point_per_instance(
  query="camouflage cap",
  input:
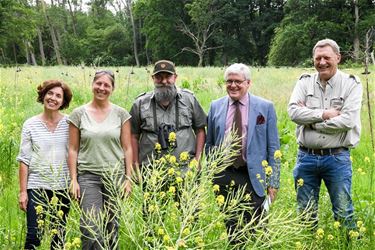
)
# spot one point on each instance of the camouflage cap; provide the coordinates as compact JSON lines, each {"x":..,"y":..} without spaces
{"x":164,"y":66}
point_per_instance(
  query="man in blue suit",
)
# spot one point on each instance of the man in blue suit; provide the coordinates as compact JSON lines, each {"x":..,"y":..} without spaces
{"x":255,"y":120}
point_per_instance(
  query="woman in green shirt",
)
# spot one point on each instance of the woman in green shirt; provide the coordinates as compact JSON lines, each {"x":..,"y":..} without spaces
{"x":100,"y":156}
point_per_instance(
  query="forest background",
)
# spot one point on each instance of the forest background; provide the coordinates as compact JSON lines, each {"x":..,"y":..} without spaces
{"x":189,"y":32}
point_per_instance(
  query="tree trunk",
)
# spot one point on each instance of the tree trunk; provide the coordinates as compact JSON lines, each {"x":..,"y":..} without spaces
{"x":30,"y":54}
{"x":27,"y":53}
{"x":74,"y":21}
{"x":53,"y":35}
{"x":356,"y":35}
{"x":41,"y":47}
{"x":135,"y":50}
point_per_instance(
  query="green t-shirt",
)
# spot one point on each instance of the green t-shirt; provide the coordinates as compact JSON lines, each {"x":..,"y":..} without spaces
{"x":99,"y":144}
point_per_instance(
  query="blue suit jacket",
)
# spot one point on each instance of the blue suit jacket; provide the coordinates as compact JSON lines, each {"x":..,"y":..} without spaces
{"x":262,"y":138}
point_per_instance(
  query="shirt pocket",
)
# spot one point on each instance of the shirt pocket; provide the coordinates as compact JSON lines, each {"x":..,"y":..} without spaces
{"x":185,"y":118}
{"x":147,"y":120}
{"x":337,"y":103}
{"x":312,"y":102}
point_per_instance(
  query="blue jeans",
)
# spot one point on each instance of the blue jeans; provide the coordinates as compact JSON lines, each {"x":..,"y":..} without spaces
{"x":336,"y":172}
{"x":42,"y":197}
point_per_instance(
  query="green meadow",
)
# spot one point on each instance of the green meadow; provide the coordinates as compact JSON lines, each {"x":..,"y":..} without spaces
{"x":18,"y":102}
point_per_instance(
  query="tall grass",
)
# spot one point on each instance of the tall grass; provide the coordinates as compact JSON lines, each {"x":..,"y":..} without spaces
{"x":18,"y":102}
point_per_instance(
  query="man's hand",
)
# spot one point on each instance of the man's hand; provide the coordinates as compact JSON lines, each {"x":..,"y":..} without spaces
{"x":301,"y":104}
{"x":23,"y":199}
{"x":75,"y":190}
{"x":272,"y":193}
{"x":330,"y":113}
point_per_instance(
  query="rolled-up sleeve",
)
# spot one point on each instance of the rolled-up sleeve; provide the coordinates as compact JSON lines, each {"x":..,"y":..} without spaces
{"x":25,"y":146}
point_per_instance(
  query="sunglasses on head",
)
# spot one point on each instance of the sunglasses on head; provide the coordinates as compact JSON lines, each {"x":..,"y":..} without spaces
{"x":107,"y":72}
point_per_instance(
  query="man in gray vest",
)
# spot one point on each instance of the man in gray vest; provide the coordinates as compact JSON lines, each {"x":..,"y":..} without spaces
{"x":326,"y":107}
{"x":166,"y":109}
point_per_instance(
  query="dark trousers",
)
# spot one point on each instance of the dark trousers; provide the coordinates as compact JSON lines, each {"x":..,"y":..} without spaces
{"x":43,"y":197}
{"x":241,"y":179}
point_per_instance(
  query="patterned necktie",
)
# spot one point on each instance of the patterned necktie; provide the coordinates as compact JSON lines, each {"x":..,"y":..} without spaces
{"x":237,"y":126}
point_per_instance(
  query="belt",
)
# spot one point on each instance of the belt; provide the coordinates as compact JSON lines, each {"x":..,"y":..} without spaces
{"x":323,"y":151}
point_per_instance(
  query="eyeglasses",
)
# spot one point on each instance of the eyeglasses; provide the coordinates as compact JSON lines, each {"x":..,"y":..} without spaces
{"x":237,"y":82}
{"x":107,"y":72}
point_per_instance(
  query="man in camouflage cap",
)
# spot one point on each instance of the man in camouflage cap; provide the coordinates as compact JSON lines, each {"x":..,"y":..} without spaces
{"x":166,"y":109}
{"x":326,"y":106}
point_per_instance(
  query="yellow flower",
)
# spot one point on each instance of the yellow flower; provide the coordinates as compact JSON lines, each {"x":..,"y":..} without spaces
{"x":198,"y":240}
{"x":223,"y":236}
{"x":171,"y":171}
{"x":298,"y":245}
{"x":172,"y":137}
{"x":193,"y":163}
{"x":163,"y":160}
{"x":68,"y":245}
{"x":359,"y":223}
{"x":162,"y":194}
{"x":362,"y":229}
{"x":172,"y":189}
{"x":232,"y":183}
{"x":184,"y":156}
{"x":40,"y":223}
{"x":220,"y":199}
{"x":330,"y":237}
{"x":146,"y":195}
{"x":258,"y":176}
{"x":161,"y":231}
{"x":60,"y":214}
{"x":151,"y":208}
{"x":278,"y":154}
{"x":179,"y":180}
{"x":166,"y":238}
{"x":39,"y":209}
{"x":157,"y":147}
{"x":189,"y":174}
{"x":264,"y":163}
{"x":319,"y":233}
{"x":76,"y":242}
{"x":216,"y":188}
{"x":54,"y":201}
{"x":247,"y":197}
{"x":353,"y":234}
{"x":186,"y":231}
{"x":172,"y":159}
{"x":300,"y":182}
{"x":268,"y":170}
{"x":336,"y":224}
{"x":367,"y":159}
{"x":176,"y":204}
{"x":54,"y":232}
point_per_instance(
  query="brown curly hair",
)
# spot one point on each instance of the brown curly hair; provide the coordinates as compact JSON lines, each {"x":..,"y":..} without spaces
{"x":50,"y":84}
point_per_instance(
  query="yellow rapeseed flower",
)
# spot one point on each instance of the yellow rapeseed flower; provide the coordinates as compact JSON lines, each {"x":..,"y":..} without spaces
{"x":161,"y":231}
{"x":166,"y":238}
{"x":68,"y":245}
{"x":39,"y":209}
{"x":353,"y":234}
{"x":176,"y":204}
{"x":300,"y":182}
{"x":60,"y":214}
{"x":216,"y":188}
{"x":54,"y":231}
{"x":172,"y":137}
{"x":162,"y":194}
{"x":198,"y":240}
{"x":336,"y":224}
{"x":258,"y":176}
{"x":146,"y":195}
{"x":171,"y":171}
{"x":319,"y":233}
{"x":330,"y":237}
{"x":298,"y":245}
{"x":367,"y":159}
{"x":184,"y":156}
{"x":362,"y":229}
{"x":162,"y":160}
{"x":247,"y":197}
{"x":232,"y":183}
{"x":186,"y":231}
{"x":189,"y":174}
{"x":172,"y":189}
{"x":54,"y":201}
{"x":220,"y":199}
{"x":193,"y":164}
{"x":268,"y":170}
{"x":76,"y":242}
{"x":179,"y":180}
{"x":157,"y":147}
{"x":278,"y":154}
{"x":264,"y":163}
{"x":172,"y":159}
{"x":40,"y":223}
{"x":151,"y":208}
{"x":359,"y":223}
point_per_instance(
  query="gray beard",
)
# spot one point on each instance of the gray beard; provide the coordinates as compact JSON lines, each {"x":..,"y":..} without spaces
{"x":165,"y":94}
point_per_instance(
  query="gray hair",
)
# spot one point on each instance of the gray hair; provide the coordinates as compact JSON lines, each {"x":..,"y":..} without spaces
{"x":327,"y":42}
{"x":238,"y":68}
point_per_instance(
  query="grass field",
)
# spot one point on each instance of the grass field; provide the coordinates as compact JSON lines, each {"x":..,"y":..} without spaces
{"x":18,"y":102}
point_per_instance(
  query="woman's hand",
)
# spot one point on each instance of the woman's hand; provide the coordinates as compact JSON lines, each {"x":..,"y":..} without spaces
{"x":75,"y":190}
{"x":127,"y":188}
{"x":23,"y":199}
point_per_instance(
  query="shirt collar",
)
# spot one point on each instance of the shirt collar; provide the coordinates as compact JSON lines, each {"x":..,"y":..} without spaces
{"x":242,"y":101}
{"x":331,"y":81}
